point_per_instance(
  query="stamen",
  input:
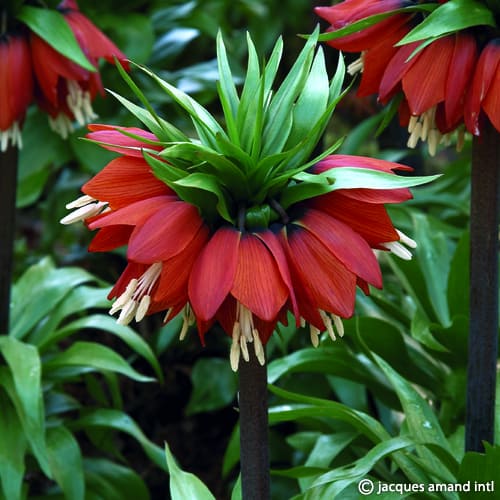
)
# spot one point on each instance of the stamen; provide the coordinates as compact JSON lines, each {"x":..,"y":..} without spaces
{"x":61,"y":125}
{"x":338,"y":324}
{"x":397,"y":248}
{"x":314,"y":334}
{"x":87,"y":207}
{"x":79,"y":102}
{"x":13,"y":133}
{"x":188,"y":319}
{"x":258,"y":348}
{"x":234,"y":354}
{"x":136,"y":298}
{"x":328,"y":324}
{"x":356,"y":66}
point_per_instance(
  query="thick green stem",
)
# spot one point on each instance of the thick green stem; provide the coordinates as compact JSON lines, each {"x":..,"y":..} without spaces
{"x":483,"y":334}
{"x":254,"y":441}
{"x":8,"y":185}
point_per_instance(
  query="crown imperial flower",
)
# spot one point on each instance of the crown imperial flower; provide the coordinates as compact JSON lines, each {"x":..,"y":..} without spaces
{"x":239,"y":225}
{"x":431,"y":57}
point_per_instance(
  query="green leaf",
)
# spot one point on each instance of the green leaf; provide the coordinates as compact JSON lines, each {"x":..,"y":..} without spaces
{"x":371,"y":20}
{"x":214,"y":385}
{"x":236,"y":494}
{"x":209,"y":183}
{"x":206,"y":125}
{"x":458,"y":278}
{"x":312,"y":101}
{"x":318,"y":408}
{"x":119,"y":421}
{"x":433,"y":253}
{"x":12,"y":450}
{"x":163,"y":130}
{"x":346,"y":178}
{"x":65,"y":459}
{"x":342,"y":477}
{"x":52,"y":27}
{"x":279,"y":112}
{"x":95,"y":357}
{"x":39,"y":290}
{"x":25,"y":391}
{"x":227,"y":90}
{"x":184,"y":485}
{"x":451,"y":16}
{"x":481,"y":470}
{"x":108,"y":324}
{"x":422,"y":423}
{"x":109,"y":480}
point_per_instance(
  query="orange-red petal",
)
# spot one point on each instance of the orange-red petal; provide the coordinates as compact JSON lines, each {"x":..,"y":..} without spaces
{"x":213,"y":273}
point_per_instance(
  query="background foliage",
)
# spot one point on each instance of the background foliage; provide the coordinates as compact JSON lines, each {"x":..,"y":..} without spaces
{"x":89,"y":404}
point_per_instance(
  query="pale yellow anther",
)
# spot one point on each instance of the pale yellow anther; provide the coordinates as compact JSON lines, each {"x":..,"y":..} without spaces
{"x":127,"y":313}
{"x":314,"y":334}
{"x":143,"y":307}
{"x":338,"y":324}
{"x":259,"y":348}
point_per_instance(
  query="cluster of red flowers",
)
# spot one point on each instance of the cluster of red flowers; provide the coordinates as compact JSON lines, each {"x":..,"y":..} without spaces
{"x":445,"y":85}
{"x":308,"y":263}
{"x":30,"y":69}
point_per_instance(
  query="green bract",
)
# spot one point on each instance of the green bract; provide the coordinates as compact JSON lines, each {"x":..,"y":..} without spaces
{"x":250,"y":169}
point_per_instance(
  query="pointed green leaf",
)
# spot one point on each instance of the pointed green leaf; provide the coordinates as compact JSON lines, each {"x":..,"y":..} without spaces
{"x":422,"y":423}
{"x":184,"y":485}
{"x":106,"y":479}
{"x":312,"y":101}
{"x":119,"y":421}
{"x":65,"y":459}
{"x":227,"y":90}
{"x":371,"y":20}
{"x":25,"y":391}
{"x":451,"y":16}
{"x":96,"y":357}
{"x":163,"y":130}
{"x":12,"y":450}
{"x":109,"y":324}
{"x":52,"y":27}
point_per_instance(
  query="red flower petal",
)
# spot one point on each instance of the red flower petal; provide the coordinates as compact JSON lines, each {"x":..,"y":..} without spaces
{"x":348,"y":246}
{"x":133,"y":214}
{"x":396,"y":70}
{"x":273,"y":244}
{"x":459,"y":76}
{"x":353,"y":161}
{"x":113,"y":139}
{"x":368,"y":220}
{"x":165,"y":233}
{"x":257,"y":283}
{"x":484,"y":76}
{"x":424,"y":84}
{"x":173,"y":282}
{"x":213,"y":273}
{"x":16,"y":80}
{"x":125,"y":180}
{"x":324,"y":277}
{"x":109,"y":238}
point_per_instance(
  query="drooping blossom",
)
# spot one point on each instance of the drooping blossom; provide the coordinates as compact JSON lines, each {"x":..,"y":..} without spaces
{"x":66,"y":90}
{"x":433,"y":79}
{"x":247,"y":243}
{"x":16,"y":87}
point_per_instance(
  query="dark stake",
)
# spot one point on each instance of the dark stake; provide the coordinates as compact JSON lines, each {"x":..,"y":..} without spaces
{"x":254,"y":442}
{"x":8,"y":185}
{"x":483,"y":334}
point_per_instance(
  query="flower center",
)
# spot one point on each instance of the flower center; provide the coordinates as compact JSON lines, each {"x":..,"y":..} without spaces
{"x":357,"y":66}
{"x":135,"y":300}
{"x":330,"y":321}
{"x":244,"y":332}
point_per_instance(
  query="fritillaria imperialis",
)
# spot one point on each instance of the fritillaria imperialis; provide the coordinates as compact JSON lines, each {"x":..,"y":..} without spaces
{"x":437,"y":61}
{"x":52,"y":57}
{"x":239,"y":225}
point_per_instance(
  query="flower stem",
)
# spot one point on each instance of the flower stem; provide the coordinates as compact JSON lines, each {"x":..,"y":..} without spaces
{"x":483,"y":333}
{"x":254,"y":454}
{"x":8,"y":185}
